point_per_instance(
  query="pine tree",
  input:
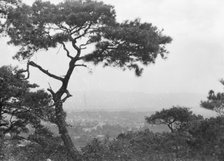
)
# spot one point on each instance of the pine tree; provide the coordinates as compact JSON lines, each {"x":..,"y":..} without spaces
{"x":128,"y":45}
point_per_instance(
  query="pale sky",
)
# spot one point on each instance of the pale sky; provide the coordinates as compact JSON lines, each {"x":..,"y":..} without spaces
{"x":195,"y":63}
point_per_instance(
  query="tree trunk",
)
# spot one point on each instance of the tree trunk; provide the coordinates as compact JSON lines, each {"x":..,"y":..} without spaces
{"x":61,"y":123}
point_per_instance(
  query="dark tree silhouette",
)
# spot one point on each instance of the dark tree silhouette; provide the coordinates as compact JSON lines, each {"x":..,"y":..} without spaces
{"x":176,"y":118}
{"x":215,"y":101}
{"x":19,"y":106}
{"x":128,"y":45}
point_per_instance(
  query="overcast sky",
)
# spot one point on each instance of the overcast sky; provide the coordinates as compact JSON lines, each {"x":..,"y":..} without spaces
{"x":195,"y":63}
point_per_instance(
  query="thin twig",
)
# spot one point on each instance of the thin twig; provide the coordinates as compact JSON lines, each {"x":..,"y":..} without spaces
{"x":50,"y":90}
{"x":80,"y":65}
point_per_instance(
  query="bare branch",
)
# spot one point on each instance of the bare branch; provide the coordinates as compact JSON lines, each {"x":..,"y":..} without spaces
{"x":75,"y":29}
{"x":67,"y":96}
{"x":63,"y":28}
{"x":45,"y":71}
{"x":83,"y":48}
{"x":50,"y":90}
{"x":84,"y":32}
{"x":67,"y":52}
{"x":75,"y":46}
{"x":77,"y":49}
{"x":80,"y":65}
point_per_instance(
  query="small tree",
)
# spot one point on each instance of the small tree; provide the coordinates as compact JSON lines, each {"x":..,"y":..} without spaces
{"x":176,"y":118}
{"x":128,"y":45}
{"x":215,"y":101}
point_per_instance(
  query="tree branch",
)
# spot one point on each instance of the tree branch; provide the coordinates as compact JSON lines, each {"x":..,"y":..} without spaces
{"x":77,"y":49}
{"x":83,"y":57}
{"x":83,"y":46}
{"x":84,"y":32}
{"x":80,"y":65}
{"x":67,"y":52}
{"x":76,"y":29}
{"x":50,"y":90}
{"x":67,"y":96}
{"x":45,"y":71}
{"x":63,"y":28}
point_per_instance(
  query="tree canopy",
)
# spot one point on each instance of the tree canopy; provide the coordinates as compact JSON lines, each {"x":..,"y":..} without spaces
{"x":44,"y":25}
{"x":215,"y":101}
{"x":176,"y":118}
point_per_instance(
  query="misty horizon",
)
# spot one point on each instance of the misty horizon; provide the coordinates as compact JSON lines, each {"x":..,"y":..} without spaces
{"x":134,"y":101}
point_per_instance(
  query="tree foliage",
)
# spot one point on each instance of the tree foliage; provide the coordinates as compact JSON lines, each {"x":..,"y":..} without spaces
{"x":5,"y":6}
{"x":202,"y":141}
{"x":44,"y":25}
{"x":176,"y":118}
{"x":207,"y":138}
{"x":20,"y":104}
{"x":215,"y":101}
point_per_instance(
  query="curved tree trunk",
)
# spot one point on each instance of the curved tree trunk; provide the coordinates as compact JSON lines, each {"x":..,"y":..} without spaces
{"x":63,"y":131}
{"x":61,"y":116}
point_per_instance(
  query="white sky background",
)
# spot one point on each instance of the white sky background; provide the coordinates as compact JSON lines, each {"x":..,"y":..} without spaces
{"x":195,"y":63}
